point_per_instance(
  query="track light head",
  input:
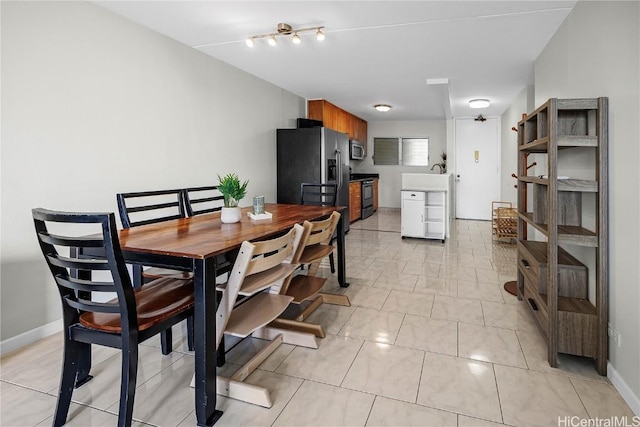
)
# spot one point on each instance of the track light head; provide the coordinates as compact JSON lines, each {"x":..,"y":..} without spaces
{"x":296,"y":38}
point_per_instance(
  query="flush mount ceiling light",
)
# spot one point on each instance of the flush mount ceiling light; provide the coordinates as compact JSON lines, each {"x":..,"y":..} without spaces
{"x":383,"y":108}
{"x":285,"y":30}
{"x":479,"y":103}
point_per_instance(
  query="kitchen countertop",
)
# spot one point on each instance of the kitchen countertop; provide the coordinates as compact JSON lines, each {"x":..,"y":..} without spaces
{"x":363,"y":176}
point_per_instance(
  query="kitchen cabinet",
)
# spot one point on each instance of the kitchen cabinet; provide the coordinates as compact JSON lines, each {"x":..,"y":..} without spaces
{"x":423,"y":214}
{"x":560,"y":214}
{"x":375,"y":194}
{"x":355,"y":200}
{"x":338,"y":119}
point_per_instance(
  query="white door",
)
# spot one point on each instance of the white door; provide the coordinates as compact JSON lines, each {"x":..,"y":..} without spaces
{"x":477,"y":167}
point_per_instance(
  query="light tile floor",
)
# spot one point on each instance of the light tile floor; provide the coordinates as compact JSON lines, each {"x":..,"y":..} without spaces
{"x":432,"y":339}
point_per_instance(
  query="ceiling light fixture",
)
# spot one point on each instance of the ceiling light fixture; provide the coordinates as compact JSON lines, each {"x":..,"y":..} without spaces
{"x":286,"y":30}
{"x":479,"y":103}
{"x":383,"y":108}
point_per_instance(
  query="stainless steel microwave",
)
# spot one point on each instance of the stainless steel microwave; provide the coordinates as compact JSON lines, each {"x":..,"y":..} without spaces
{"x":356,"y":150}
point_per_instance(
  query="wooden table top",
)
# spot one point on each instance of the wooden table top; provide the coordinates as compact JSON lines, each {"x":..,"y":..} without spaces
{"x":204,"y":236}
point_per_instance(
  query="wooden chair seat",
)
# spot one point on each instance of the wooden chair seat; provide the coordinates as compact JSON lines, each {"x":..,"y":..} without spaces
{"x":256,"y":313}
{"x":303,"y":287}
{"x":155,"y":302}
{"x":315,"y":252}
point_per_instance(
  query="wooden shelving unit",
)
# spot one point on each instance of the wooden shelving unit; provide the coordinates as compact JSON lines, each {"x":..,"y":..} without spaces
{"x":571,"y":312}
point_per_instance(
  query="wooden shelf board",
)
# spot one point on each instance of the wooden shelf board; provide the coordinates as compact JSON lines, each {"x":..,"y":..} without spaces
{"x":538,"y":250}
{"x":574,"y":235}
{"x":568,"y":141}
{"x":536,"y":146}
{"x":581,"y":185}
{"x":256,"y":313}
{"x":534,"y":180}
{"x":577,"y":104}
{"x":573,"y":305}
{"x":528,"y":218}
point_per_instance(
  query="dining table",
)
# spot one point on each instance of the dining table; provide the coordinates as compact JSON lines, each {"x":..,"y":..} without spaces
{"x":198,"y":244}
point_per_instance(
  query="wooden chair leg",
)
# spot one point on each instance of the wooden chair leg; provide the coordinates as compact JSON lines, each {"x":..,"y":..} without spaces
{"x":128,"y":383}
{"x":166,"y":340}
{"x":67,"y":382}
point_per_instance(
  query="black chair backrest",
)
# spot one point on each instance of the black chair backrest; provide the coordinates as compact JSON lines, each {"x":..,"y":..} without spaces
{"x":200,"y":200}
{"x":148,"y":207}
{"x":318,"y":194}
{"x":81,"y":294}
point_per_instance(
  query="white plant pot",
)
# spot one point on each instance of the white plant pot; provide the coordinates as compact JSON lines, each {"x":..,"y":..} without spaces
{"x":230,"y":215}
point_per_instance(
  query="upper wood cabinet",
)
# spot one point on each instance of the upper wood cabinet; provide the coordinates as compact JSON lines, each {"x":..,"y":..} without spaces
{"x":338,"y":119}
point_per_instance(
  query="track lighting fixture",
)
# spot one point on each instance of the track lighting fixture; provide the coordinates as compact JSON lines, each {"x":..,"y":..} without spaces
{"x":285,"y":30}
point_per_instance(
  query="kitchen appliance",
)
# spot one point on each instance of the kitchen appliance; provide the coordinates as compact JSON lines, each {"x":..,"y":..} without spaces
{"x":314,"y":155}
{"x":367,"y":198}
{"x":356,"y":150}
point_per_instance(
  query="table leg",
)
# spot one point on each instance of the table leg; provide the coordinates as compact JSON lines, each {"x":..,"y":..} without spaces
{"x":204,"y":276}
{"x":342,"y":274}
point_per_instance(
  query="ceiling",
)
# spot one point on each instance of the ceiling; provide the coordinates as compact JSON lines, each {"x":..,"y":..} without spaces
{"x":374,"y":51}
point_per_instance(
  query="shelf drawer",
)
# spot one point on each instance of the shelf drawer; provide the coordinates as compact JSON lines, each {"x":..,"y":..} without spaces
{"x":413,"y":195}
{"x":537,"y":306}
{"x":572,"y":274}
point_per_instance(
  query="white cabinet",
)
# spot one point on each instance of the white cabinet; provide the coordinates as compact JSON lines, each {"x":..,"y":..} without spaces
{"x":423,"y":214}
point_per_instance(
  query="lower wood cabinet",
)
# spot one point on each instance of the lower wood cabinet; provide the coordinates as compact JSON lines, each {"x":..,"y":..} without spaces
{"x":355,"y":201}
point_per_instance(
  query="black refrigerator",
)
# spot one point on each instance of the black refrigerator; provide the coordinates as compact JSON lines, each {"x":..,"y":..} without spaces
{"x":317,"y":155}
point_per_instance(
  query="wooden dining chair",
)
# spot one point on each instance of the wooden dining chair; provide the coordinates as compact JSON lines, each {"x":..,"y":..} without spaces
{"x":250,"y":300}
{"x":132,"y":317}
{"x":201,"y":200}
{"x":320,"y":195}
{"x":151,"y":207}
{"x":305,"y":289}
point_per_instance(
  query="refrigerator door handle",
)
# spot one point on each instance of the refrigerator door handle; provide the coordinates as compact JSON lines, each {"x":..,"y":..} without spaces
{"x":339,"y":164}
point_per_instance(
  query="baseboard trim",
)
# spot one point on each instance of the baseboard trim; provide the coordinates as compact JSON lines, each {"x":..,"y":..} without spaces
{"x":29,"y":337}
{"x":625,"y":391}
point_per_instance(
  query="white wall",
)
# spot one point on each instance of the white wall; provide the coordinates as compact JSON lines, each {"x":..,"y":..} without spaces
{"x":93,"y":105}
{"x":390,"y":176}
{"x":523,"y":103}
{"x":596,"y":52}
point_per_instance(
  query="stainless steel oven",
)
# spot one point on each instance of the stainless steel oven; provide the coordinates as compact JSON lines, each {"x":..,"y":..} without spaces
{"x":367,"y":198}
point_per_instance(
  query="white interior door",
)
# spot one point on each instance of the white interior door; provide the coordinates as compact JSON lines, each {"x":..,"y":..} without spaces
{"x":477,"y":167}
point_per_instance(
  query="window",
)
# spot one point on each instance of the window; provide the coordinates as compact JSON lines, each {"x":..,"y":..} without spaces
{"x":385,"y":151}
{"x":401,"y":151}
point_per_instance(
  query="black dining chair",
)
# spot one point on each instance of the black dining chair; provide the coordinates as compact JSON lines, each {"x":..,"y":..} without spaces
{"x":151,"y":207}
{"x":132,"y":317}
{"x":201,"y":200}
{"x":320,"y":195}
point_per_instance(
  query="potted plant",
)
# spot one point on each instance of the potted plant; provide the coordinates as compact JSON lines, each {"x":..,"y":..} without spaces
{"x":233,"y":191}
